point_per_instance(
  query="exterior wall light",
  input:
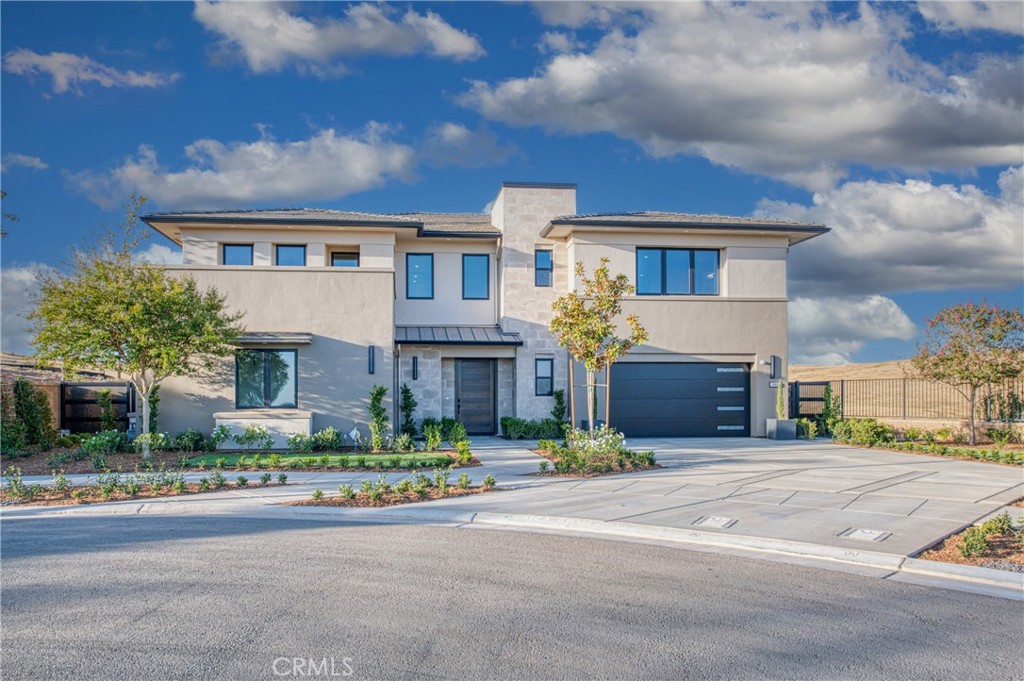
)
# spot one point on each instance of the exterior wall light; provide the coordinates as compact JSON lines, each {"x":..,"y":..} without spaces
{"x":372,"y":367}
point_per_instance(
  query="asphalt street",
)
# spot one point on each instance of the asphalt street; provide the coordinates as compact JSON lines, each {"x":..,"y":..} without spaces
{"x":250,"y":598}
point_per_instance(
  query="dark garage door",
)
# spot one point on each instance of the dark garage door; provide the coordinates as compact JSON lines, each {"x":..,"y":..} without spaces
{"x":681,"y":399}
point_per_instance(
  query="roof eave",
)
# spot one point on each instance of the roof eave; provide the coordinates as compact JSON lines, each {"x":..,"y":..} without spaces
{"x":557,"y":229}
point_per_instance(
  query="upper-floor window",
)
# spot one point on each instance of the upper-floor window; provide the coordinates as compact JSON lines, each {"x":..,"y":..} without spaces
{"x":543,"y":264}
{"x":544,"y":372}
{"x":475,"y":280}
{"x":676,"y":271}
{"x":266,"y":378}
{"x":346,"y":259}
{"x":419,"y":275}
{"x":290,"y":255}
{"x":236,"y":254}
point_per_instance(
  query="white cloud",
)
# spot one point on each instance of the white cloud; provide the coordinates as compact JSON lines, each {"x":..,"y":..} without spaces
{"x":1007,"y":17}
{"x":159,"y":254}
{"x":269,"y":37}
{"x":21,"y":160}
{"x":71,"y":71}
{"x":830,"y":330}
{"x":557,"y":42}
{"x":327,"y":165}
{"x":18,"y":285}
{"x":453,"y":144}
{"x":890,"y":237}
{"x":785,"y":90}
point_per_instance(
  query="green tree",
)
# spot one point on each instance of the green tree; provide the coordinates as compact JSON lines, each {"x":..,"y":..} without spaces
{"x":970,"y":346}
{"x":111,"y":312}
{"x":378,"y":417}
{"x":408,"y":406}
{"x":586,"y":324}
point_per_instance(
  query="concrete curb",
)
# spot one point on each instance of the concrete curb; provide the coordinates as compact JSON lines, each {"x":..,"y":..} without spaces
{"x":968,"y":573}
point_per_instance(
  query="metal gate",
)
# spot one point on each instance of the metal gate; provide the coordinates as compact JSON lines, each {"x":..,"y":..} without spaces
{"x":80,"y":410}
{"x":807,"y":399}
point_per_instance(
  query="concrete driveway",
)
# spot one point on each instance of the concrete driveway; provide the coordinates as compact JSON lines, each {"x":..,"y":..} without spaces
{"x":814,"y":492}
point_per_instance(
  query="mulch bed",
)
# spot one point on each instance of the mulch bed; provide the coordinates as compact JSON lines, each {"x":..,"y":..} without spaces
{"x":1004,"y":553}
{"x":362,"y":499}
{"x":91,"y":495}
{"x":552,"y":473}
{"x":284,"y":468}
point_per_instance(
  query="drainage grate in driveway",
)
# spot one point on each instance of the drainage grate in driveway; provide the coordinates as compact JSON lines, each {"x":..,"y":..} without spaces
{"x":714,"y":521}
{"x":861,"y":534}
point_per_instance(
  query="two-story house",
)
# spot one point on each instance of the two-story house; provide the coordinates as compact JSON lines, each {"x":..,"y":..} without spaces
{"x":457,"y":306}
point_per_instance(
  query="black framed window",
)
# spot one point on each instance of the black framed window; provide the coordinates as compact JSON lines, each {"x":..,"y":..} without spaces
{"x":419,"y":275}
{"x":266,"y":378}
{"x":543,"y":264}
{"x":290,"y":255}
{"x":544,"y":373}
{"x":236,"y":254}
{"x":676,"y":271}
{"x":346,"y":259}
{"x":476,"y":277}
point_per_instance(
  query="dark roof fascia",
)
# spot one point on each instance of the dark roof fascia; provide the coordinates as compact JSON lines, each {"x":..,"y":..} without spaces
{"x":283,"y":221}
{"x":633,"y":224}
{"x":457,"y":342}
{"x":433,"y":234}
{"x":539,"y":185}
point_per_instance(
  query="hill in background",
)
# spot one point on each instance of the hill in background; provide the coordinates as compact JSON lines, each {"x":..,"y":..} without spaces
{"x":810,"y":372}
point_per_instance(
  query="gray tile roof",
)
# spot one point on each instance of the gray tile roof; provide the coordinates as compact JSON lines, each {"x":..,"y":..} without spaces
{"x":639,"y":218}
{"x":455,"y":335}
{"x":427,"y":223}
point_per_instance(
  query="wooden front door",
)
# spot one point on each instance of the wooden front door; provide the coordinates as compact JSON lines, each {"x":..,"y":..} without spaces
{"x":474,"y":395}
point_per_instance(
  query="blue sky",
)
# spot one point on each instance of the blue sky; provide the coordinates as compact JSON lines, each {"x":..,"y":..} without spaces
{"x":899,"y":125}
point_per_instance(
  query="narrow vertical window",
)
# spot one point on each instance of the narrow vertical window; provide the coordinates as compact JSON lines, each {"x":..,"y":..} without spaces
{"x":543,"y":264}
{"x":419,"y":275}
{"x":236,"y":254}
{"x":544,"y":381}
{"x":475,"y":277}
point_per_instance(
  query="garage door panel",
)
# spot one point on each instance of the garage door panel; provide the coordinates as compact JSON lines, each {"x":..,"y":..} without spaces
{"x":680,"y":399}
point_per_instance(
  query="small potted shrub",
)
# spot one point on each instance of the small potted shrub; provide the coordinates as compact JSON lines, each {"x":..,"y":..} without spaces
{"x":781,"y":428}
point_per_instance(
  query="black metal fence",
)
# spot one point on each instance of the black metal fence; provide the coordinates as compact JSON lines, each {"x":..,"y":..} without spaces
{"x":907,"y":398}
{"x":80,"y":410}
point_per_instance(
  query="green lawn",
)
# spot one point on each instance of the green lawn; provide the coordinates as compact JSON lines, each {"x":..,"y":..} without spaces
{"x":354,"y":460}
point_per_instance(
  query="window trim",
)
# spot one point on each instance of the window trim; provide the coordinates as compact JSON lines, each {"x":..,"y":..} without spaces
{"x":537,"y":269}
{"x":252,"y":254}
{"x":536,"y":376}
{"x":277,"y":250}
{"x":355,"y":253}
{"x":407,"y":278}
{"x":487,"y":276}
{"x":693,"y":270}
{"x":266,"y":405}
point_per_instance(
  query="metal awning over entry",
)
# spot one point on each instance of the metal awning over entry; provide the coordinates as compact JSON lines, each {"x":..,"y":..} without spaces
{"x":455,"y":335}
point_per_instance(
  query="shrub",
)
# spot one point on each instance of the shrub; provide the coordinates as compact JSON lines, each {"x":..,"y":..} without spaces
{"x":282,"y":478}
{"x":831,"y":410}
{"x":513,"y":428}
{"x":242,"y":481}
{"x":1000,"y":436}
{"x":342,"y":461}
{"x":407,"y":406}
{"x":218,"y":480}
{"x":489,"y":482}
{"x":404,"y":443}
{"x":360,"y":462}
{"x":346,"y":492}
{"x":912,"y":434}
{"x":863,"y":432}
{"x":108,"y":416}
{"x":300,"y":443}
{"x":806,"y":428}
{"x":547,"y":445}
{"x":189,"y":441}
{"x":254,"y":437}
{"x":12,"y":437}
{"x":327,"y":440}
{"x":318,"y":494}
{"x":558,"y":411}
{"x":61,"y":484}
{"x":265,"y":479}
{"x":158,"y":442}
{"x":457,"y":434}
{"x":464,"y":455}
{"x":543,"y":465}
{"x":974,"y":542}
{"x":464,"y":481}
{"x":378,"y":417}
{"x":220,"y":463}
{"x":447,"y":423}
{"x":275,"y":461}
{"x":395,"y":462}
{"x":219,"y":436}
{"x":433,"y":435}
{"x":427,"y":422}
{"x":105,"y":443}
{"x":204,"y":484}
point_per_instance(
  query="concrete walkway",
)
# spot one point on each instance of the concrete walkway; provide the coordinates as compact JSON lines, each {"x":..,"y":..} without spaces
{"x":848,"y":502}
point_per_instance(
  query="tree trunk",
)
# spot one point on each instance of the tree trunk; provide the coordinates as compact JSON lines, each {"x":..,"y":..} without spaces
{"x":608,"y":394}
{"x":572,"y":394}
{"x":590,"y":402}
{"x":144,"y":396}
{"x":970,"y":419}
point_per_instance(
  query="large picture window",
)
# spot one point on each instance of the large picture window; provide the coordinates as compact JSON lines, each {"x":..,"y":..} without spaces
{"x":419,"y":275}
{"x":676,"y":272}
{"x":266,"y":378}
{"x":289,"y":255}
{"x":544,"y":372}
{"x":543,"y":264}
{"x":236,"y":254}
{"x":475,"y":280}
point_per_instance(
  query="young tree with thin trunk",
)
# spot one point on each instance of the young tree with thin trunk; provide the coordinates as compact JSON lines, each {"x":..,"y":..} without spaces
{"x":971,"y":346}
{"x":113,"y":312}
{"x":586,"y":325}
